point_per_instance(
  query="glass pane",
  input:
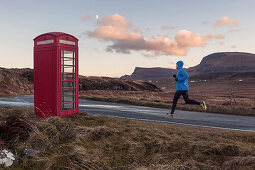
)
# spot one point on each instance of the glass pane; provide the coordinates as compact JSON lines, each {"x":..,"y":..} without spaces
{"x":68,"y":106}
{"x":68,"y":61}
{"x":67,"y":98}
{"x":70,"y":76}
{"x":68,"y":91}
{"x":68,"y":69}
{"x":68,"y":54}
{"x":67,"y":83}
{"x":45,"y":42}
{"x":67,"y":42}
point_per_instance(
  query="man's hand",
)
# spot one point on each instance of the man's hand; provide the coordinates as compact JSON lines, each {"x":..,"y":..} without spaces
{"x":174,"y":76}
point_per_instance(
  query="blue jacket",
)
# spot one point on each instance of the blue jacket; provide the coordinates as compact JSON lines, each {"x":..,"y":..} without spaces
{"x":182,"y":76}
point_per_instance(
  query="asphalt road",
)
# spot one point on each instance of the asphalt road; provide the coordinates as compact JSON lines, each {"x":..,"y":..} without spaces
{"x":209,"y":120}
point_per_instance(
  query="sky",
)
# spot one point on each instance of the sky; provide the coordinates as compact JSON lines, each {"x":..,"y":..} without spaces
{"x":115,"y":36}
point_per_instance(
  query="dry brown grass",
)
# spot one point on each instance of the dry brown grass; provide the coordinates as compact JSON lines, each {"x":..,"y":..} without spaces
{"x":92,"y":142}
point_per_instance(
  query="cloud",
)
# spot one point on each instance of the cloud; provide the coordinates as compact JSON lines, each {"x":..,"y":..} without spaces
{"x":186,"y":38}
{"x":113,"y":28}
{"x":168,"y":27}
{"x":226,"y":21}
{"x":233,"y":46}
{"x":85,"y":17}
{"x":115,"y":21}
{"x":126,"y":38}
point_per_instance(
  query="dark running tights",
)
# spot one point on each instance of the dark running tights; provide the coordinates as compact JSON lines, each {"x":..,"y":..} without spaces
{"x":185,"y":95}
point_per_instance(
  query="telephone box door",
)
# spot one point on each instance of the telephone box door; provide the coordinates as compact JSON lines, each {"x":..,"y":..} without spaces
{"x":68,"y":80}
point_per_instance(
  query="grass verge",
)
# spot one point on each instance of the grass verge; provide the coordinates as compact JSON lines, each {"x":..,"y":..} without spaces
{"x":84,"y":141}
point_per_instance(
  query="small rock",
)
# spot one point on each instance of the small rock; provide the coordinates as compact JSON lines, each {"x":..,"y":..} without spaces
{"x":31,"y":152}
{"x":6,"y":158}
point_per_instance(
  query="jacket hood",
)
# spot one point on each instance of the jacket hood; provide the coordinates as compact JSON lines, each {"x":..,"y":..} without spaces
{"x":180,"y":64}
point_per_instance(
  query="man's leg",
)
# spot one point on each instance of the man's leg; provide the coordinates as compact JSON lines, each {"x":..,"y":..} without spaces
{"x":176,"y":97}
{"x":187,"y":100}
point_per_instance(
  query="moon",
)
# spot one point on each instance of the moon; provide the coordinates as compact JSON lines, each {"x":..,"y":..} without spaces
{"x":97,"y":16}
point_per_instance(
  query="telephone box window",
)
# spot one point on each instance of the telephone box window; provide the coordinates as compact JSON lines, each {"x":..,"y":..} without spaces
{"x":67,"y":42}
{"x":68,"y":79}
{"x":45,"y":42}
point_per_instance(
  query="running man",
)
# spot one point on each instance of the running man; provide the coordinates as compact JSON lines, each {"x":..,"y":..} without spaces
{"x":182,"y":88}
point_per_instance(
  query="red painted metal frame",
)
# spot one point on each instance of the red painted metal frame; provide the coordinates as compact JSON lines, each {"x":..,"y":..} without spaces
{"x":47,"y":75}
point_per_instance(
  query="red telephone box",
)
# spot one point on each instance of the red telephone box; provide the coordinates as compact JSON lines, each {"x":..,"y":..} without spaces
{"x":56,"y":75}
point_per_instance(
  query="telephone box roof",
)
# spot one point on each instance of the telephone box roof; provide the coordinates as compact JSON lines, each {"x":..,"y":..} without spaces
{"x":56,"y":34}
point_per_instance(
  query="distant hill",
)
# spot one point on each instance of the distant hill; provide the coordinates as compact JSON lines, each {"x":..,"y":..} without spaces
{"x":21,"y":81}
{"x":216,"y":62}
{"x":149,"y":73}
{"x":225,"y":62}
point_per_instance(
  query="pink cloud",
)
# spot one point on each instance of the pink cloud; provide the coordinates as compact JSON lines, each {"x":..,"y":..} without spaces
{"x":186,"y":38}
{"x":126,"y":38}
{"x":116,"y":21}
{"x":226,"y":21}
{"x":113,"y":28}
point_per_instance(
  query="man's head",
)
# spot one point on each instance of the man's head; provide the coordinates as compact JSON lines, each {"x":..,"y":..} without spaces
{"x":179,"y":64}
